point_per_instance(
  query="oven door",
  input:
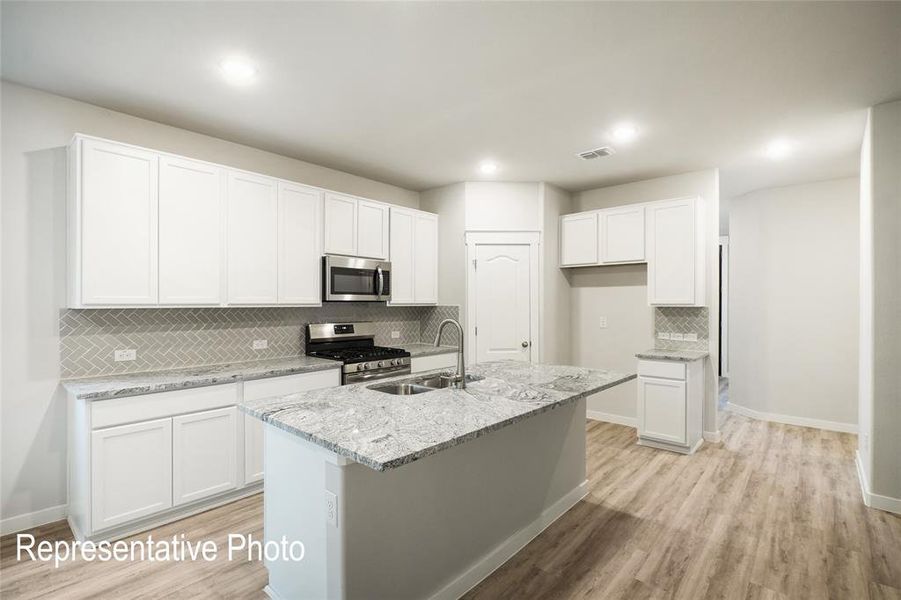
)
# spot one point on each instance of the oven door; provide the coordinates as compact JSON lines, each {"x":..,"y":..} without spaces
{"x":350,"y":279}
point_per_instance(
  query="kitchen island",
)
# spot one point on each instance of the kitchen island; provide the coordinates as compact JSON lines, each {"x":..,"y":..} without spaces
{"x":423,"y":495}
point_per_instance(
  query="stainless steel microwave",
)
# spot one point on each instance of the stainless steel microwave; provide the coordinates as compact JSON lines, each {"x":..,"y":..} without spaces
{"x":352,"y":279}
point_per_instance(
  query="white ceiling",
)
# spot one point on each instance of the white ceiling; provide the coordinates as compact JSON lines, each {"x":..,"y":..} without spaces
{"x":416,"y":94}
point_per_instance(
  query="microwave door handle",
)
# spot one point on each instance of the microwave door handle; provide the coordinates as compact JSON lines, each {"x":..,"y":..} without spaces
{"x":381,"y":278}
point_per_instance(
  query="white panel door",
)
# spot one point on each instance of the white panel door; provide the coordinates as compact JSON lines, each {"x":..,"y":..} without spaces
{"x":671,"y":252}
{"x":190,"y":232}
{"x":622,"y":234}
{"x":662,"y":410}
{"x":402,"y":255}
{"x":425,"y":259}
{"x":372,"y":230}
{"x":204,"y":454}
{"x":340,"y":224}
{"x":299,"y":244}
{"x":253,"y":449}
{"x":503,"y":302}
{"x":118,"y":200}
{"x":131,"y":472}
{"x":252,"y":239}
{"x":579,"y":239}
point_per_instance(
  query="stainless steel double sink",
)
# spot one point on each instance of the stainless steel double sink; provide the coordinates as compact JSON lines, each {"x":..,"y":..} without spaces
{"x":419,"y":385}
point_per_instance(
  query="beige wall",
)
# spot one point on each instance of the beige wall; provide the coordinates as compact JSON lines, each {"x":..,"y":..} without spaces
{"x":36,"y":127}
{"x":794,"y":301}
{"x":555,"y":317}
{"x":880,"y":306}
{"x":620,"y":294}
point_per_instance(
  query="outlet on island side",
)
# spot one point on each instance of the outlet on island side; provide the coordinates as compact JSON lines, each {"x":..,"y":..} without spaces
{"x":331,"y":508}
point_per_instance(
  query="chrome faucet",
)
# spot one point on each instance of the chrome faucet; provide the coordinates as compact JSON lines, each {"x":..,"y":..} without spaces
{"x":459,"y":378}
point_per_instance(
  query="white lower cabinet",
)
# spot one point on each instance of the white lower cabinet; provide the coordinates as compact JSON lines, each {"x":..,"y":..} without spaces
{"x":131,"y":472}
{"x":204,"y":454}
{"x":670,"y":404}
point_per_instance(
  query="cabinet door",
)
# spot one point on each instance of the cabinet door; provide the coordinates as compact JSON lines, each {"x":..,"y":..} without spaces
{"x":252,"y":239}
{"x":204,"y":457}
{"x":253,"y":449}
{"x":622,"y":234}
{"x":340,"y":224}
{"x":117,"y":203}
{"x":425,"y":259}
{"x":299,"y":245}
{"x":131,"y":472}
{"x":671,"y":253}
{"x":372,"y":230}
{"x":579,"y":239}
{"x":661,"y":410}
{"x":190,"y":232}
{"x":402,"y":236}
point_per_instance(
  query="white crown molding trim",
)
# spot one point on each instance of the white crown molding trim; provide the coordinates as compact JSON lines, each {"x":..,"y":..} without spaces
{"x":596,"y":415}
{"x":792,"y":420}
{"x":886,"y":503}
{"x":33,"y":519}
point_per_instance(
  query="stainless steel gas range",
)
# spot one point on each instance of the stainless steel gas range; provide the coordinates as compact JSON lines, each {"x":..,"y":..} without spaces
{"x":354,"y":345}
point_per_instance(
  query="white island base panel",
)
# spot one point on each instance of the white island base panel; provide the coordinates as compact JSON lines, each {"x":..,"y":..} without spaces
{"x":433,"y":528}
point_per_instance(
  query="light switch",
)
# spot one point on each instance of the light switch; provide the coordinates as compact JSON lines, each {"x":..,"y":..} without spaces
{"x":663,"y":335}
{"x":691,"y":337}
{"x":260,"y":344}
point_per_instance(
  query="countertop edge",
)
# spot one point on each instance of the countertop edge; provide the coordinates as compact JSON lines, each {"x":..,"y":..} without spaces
{"x":673,"y":355}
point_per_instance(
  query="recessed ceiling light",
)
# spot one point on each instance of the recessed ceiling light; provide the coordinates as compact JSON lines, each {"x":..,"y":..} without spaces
{"x":487,"y":167}
{"x":237,"y":70}
{"x":625,"y":132}
{"x":779,"y":149}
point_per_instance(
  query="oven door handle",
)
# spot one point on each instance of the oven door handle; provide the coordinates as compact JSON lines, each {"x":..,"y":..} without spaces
{"x":381,"y":279}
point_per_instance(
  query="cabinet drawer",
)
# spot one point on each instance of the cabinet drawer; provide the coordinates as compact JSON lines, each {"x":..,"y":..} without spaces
{"x":661,"y":368}
{"x":105,"y":413}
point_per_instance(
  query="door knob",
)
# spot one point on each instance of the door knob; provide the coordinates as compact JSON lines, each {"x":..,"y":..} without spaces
{"x":525,"y":344}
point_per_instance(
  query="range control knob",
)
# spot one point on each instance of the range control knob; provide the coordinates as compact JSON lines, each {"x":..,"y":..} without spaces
{"x":363,"y":367}
{"x":381,"y":364}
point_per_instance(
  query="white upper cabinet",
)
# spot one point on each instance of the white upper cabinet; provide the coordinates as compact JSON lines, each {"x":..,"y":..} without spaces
{"x":252,"y":239}
{"x":112,"y":215}
{"x":355,"y":227}
{"x":622,"y":234}
{"x":414,"y":256}
{"x":425,"y":258}
{"x":299,"y":244}
{"x":190,"y":232}
{"x":579,"y":239}
{"x":676,"y":253}
{"x":340,"y":224}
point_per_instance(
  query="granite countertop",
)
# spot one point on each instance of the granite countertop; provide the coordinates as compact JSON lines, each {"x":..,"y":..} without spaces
{"x":680,"y":355}
{"x":384,"y":431}
{"x":132,"y":384}
{"x":427,"y":349}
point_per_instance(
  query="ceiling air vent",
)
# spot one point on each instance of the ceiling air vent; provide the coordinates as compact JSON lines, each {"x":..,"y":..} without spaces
{"x":596,"y":153}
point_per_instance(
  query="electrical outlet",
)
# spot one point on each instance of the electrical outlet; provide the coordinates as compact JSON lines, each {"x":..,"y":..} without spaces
{"x":691,"y":337}
{"x":678,"y":337}
{"x":662,"y":335}
{"x":602,"y":322}
{"x":395,"y":335}
{"x":123,"y":355}
{"x":331,"y":508}
{"x":260,"y":344}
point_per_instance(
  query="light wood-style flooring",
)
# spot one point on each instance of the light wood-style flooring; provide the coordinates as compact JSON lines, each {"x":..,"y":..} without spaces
{"x":773,"y":511}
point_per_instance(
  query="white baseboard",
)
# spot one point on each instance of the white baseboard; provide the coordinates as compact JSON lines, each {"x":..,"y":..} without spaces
{"x":791,"y":420}
{"x":33,"y":519}
{"x":505,"y":551}
{"x":886,"y":503}
{"x":596,"y":415}
{"x":714,"y":437}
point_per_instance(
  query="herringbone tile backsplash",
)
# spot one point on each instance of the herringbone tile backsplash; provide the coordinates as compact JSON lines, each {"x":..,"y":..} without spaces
{"x":681,"y":319}
{"x":168,"y":338}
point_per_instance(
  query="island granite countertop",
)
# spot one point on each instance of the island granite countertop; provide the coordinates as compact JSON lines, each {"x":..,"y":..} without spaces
{"x":384,"y":431}
{"x":132,"y":384}
{"x":678,"y":355}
